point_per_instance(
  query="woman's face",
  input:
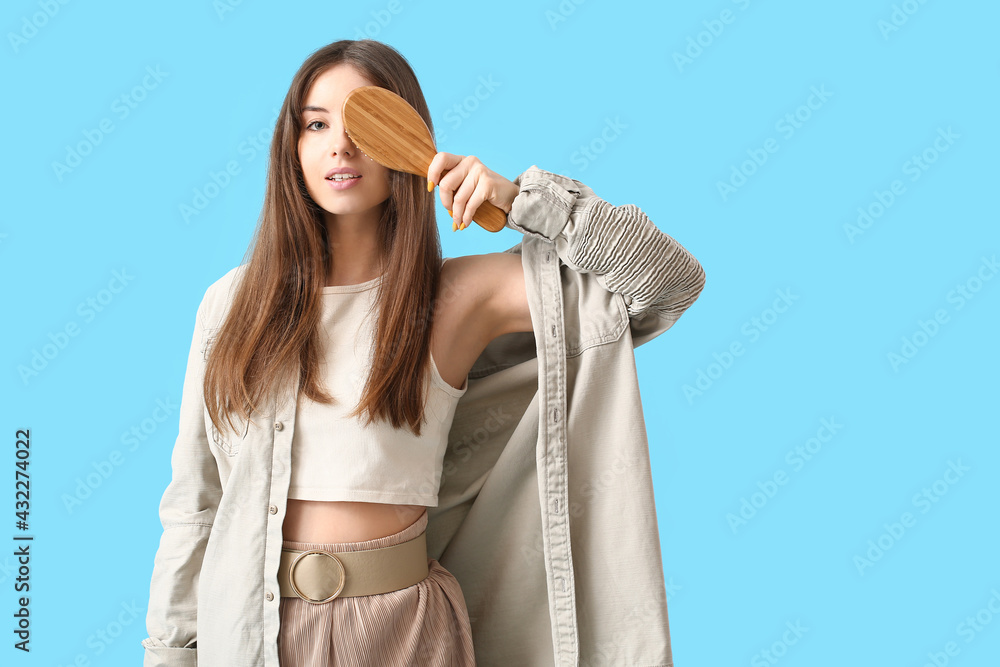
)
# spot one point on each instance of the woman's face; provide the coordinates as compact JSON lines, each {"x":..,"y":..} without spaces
{"x":325,"y":146}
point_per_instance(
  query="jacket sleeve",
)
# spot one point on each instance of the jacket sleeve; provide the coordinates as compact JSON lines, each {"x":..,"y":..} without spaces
{"x":187,"y":511}
{"x":657,"y":278}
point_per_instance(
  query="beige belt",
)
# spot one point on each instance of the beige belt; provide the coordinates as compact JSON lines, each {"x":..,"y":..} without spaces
{"x":318,"y":576}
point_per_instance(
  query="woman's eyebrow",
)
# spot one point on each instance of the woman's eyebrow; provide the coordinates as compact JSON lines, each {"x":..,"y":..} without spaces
{"x":311,"y":108}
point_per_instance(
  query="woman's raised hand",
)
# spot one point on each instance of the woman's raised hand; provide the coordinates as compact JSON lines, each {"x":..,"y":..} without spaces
{"x":465,"y":183}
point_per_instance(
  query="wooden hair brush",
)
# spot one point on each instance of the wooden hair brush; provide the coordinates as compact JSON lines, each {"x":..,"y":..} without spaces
{"x":390,"y":131}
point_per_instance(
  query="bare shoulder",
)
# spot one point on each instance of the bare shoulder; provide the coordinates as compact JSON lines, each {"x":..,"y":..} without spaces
{"x":492,"y":287}
{"x":479,"y":298}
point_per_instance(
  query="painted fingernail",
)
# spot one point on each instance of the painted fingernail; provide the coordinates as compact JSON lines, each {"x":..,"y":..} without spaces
{"x":430,"y":185}
{"x":454,"y":226}
{"x":449,"y":213}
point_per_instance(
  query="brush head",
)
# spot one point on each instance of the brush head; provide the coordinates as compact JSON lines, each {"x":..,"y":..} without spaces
{"x":388,"y":130}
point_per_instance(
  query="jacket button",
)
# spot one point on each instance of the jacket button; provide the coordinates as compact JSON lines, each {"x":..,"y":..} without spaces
{"x":278,"y":426}
{"x":269,"y":595}
{"x":273,"y":509}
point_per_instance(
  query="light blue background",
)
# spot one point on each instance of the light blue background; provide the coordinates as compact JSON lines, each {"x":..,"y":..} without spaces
{"x":560,"y":74}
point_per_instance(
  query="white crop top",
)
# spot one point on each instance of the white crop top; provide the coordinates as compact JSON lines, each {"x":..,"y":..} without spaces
{"x":335,"y":457}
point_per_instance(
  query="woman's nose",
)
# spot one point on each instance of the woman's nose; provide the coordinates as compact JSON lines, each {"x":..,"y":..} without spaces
{"x":342,"y":143}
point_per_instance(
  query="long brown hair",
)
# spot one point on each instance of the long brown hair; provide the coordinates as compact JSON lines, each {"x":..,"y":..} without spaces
{"x":273,"y":327}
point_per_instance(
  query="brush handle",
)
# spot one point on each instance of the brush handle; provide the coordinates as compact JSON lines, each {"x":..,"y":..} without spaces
{"x":488,"y":216}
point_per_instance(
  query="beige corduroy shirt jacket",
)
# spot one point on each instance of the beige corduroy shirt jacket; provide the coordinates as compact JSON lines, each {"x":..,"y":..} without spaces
{"x":546,"y":513}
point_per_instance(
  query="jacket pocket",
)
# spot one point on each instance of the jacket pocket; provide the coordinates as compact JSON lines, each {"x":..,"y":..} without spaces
{"x":169,"y":655}
{"x":592,"y":315}
{"x":228,"y":440}
{"x":208,"y":338}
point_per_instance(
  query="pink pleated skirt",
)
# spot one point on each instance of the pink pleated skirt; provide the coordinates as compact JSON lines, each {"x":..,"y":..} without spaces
{"x":423,"y":625}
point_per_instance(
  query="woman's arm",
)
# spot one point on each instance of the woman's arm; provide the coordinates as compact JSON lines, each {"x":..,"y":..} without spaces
{"x":187,"y":511}
{"x":657,"y":277}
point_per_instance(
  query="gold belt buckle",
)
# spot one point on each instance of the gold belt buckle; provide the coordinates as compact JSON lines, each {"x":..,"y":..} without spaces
{"x":291,"y":575}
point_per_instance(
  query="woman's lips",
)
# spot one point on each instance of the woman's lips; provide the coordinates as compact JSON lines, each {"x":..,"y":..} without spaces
{"x":344,"y":184}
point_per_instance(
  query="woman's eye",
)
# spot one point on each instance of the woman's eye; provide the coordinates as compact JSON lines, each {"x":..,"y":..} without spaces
{"x":314,"y":122}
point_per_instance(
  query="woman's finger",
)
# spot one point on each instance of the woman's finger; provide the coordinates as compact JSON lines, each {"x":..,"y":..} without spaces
{"x":479,"y":195}
{"x":451,"y":182}
{"x":460,"y":209}
{"x":441,"y":163}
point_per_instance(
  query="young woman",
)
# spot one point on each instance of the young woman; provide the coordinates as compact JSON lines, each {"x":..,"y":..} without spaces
{"x":344,"y":296}
{"x":375,"y":232}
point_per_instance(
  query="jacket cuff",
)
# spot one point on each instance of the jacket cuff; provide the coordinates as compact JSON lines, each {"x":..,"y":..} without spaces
{"x":619,"y":244}
{"x":168,"y":656}
{"x":544,"y":203}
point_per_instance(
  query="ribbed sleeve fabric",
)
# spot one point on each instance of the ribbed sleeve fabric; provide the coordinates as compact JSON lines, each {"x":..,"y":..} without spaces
{"x":620,"y":244}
